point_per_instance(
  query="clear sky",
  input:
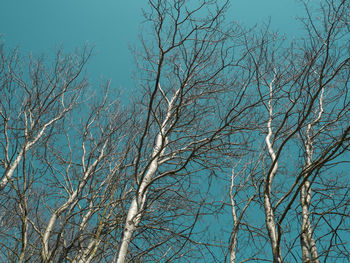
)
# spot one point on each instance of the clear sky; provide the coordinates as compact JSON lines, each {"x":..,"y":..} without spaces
{"x":111,"y":26}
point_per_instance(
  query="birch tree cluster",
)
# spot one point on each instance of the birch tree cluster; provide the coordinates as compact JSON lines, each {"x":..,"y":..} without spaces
{"x":234,"y":147}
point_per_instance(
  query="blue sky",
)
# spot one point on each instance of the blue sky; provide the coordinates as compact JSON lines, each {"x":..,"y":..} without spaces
{"x":111,"y":26}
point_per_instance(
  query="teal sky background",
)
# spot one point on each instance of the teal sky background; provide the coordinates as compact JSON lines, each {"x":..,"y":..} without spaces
{"x":111,"y":26}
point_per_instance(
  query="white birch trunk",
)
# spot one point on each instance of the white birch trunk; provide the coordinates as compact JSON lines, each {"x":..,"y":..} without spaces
{"x":269,"y":213}
{"x":45,"y":252}
{"x":12,"y":167}
{"x":134,"y":215}
{"x":308,"y":244}
{"x":24,"y":214}
{"x":235,"y":226}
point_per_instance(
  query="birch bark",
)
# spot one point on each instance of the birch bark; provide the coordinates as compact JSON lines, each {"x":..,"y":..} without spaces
{"x":308,"y":244}
{"x":269,"y":212}
{"x":45,"y":251}
{"x":137,"y":205}
{"x":10,"y":169}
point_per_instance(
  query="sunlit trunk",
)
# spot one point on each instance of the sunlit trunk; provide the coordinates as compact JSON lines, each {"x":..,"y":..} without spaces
{"x":269,"y":213}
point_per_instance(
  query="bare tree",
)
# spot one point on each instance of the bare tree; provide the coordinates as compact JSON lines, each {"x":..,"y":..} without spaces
{"x":30,"y":107}
{"x":61,"y":166}
{"x":189,"y":71}
{"x":304,"y":91}
{"x":120,"y":184}
{"x":88,"y":179}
